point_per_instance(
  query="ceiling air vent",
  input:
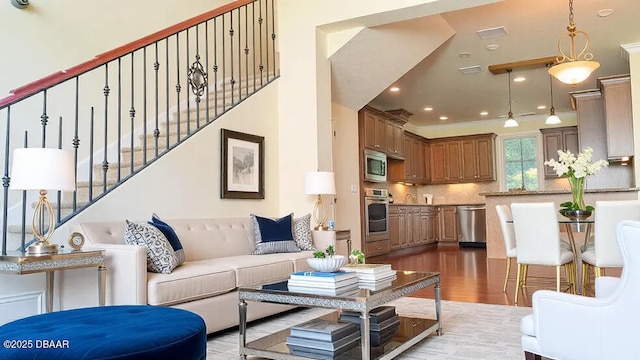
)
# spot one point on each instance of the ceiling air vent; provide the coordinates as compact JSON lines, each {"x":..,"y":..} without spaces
{"x":492,"y":32}
{"x":470,"y":70}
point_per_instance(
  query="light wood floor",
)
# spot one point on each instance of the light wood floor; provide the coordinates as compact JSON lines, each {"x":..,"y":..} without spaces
{"x":467,"y":275}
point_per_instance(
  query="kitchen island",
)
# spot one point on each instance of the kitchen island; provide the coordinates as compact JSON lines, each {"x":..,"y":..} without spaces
{"x":495,"y":244}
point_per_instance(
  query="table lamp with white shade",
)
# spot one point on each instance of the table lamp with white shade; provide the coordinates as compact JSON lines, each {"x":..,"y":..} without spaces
{"x":319,"y":183}
{"x":42,"y":169}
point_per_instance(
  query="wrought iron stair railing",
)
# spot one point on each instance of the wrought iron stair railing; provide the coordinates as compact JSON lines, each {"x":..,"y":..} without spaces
{"x":124,"y":109}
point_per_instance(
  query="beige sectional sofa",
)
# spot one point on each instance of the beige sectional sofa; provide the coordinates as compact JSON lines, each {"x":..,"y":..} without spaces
{"x":218,"y":260}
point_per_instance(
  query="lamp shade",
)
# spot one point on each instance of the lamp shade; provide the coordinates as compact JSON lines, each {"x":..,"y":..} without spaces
{"x":573,"y":72}
{"x":42,"y":169}
{"x":320,"y":182}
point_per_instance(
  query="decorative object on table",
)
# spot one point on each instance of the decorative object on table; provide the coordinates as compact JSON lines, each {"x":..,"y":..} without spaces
{"x":42,"y":169}
{"x":319,"y":183}
{"x":383,"y":323}
{"x":356,"y":257}
{"x":576,"y":169}
{"x":575,"y":67}
{"x":323,"y":283}
{"x":242,"y":166}
{"x":76,"y":241}
{"x":322,"y":339}
{"x":372,"y":277}
{"x":327,"y":261}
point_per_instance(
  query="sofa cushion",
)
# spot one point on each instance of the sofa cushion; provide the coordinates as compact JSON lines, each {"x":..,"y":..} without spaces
{"x":160,"y":255}
{"x":171,"y":235}
{"x":302,"y":233}
{"x":191,"y":281}
{"x":251,"y":270}
{"x":274,"y":235}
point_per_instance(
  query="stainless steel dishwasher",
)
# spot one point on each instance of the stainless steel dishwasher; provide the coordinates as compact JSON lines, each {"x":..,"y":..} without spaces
{"x":472,"y":225}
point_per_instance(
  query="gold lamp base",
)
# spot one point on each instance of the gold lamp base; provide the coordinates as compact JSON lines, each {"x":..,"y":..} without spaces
{"x":41,"y":248}
{"x":321,"y":227}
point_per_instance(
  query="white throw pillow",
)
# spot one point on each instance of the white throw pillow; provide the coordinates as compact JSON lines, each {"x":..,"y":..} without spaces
{"x":160,"y":255}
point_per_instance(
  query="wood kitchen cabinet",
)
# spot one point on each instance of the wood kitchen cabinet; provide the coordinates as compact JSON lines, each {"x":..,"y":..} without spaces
{"x":374,"y":131}
{"x":429,"y":224}
{"x":554,"y":139}
{"x":448,"y":224}
{"x":397,"y":237}
{"x":616,"y":93}
{"x":382,"y":132}
{"x":463,"y":159}
{"x":413,"y":168}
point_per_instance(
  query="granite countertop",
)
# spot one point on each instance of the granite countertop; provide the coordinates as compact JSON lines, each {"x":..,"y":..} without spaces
{"x":435,"y":205}
{"x":551,"y":192}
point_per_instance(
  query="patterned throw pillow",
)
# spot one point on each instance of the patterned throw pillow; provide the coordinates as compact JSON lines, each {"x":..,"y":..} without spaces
{"x":302,"y":233}
{"x":171,"y":235}
{"x":273,"y":235}
{"x":160,"y":255}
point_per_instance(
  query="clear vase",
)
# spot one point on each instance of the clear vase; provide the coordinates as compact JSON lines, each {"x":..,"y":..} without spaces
{"x":577,"y":190}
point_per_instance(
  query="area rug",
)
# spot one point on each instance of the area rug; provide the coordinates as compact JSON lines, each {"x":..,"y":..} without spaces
{"x":471,"y":331}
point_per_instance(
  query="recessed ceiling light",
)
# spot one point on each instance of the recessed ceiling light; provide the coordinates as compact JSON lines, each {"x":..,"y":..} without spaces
{"x":541,"y":107}
{"x":443,"y":118}
{"x":484,"y":113}
{"x":605,"y":12}
{"x":519,"y":79}
{"x":493,"y":47}
{"x":428,"y":108}
{"x":464,"y":55}
{"x":394,"y":89}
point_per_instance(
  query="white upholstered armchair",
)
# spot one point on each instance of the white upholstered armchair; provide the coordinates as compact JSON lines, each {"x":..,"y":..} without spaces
{"x":565,"y":326}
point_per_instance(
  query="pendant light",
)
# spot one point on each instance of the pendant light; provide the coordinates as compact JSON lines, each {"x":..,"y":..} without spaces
{"x":573,"y":68}
{"x":552,"y":119}
{"x":511,"y":122}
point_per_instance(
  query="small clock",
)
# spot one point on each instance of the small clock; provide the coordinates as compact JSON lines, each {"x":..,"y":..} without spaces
{"x":76,"y":241}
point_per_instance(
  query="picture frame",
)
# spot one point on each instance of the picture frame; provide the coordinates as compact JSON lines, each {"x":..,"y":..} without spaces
{"x":242,"y":175}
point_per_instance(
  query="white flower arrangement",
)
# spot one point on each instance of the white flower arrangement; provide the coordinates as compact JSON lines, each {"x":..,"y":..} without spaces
{"x":579,"y":166}
{"x":576,"y":169}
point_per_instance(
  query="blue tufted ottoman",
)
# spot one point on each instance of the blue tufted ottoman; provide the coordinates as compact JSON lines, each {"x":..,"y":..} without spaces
{"x":110,"y":332}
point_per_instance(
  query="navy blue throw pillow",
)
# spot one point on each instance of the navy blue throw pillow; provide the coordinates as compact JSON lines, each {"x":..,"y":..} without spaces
{"x":171,"y":235}
{"x":275,"y":229}
{"x":274,"y":235}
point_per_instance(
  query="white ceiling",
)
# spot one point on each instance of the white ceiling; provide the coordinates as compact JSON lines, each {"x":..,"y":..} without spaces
{"x":534,"y":28}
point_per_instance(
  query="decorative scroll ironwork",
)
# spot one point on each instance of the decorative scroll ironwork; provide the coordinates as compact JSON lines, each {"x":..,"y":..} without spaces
{"x":197,"y":77}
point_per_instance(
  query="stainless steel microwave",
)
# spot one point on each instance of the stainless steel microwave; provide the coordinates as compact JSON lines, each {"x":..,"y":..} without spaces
{"x":375,"y":166}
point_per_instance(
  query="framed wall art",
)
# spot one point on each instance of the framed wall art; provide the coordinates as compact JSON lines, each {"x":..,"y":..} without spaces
{"x":242,"y":165}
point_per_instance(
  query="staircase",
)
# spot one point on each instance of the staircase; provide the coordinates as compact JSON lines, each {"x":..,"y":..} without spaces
{"x":172,"y":130}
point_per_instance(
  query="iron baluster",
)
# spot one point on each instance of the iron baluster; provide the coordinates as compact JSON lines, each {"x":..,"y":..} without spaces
{"x":224,"y":82}
{"x":215,"y":67}
{"x":253,"y":39}
{"x":91,"y":156}
{"x":166,"y":60}
{"x":188,"y":100}
{"x":232,"y":81}
{"x":260,"y":20}
{"x":44,"y":118}
{"x":206,"y":66}
{"x":178,"y":87}
{"x":76,"y":142}
{"x":266,"y":15}
{"x":5,"y":182}
{"x":105,"y":163}
{"x":132,"y":111}
{"x":119,"y":139}
{"x":246,"y":50}
{"x":144,"y":106}
{"x":156,"y":131}
{"x":273,"y":37}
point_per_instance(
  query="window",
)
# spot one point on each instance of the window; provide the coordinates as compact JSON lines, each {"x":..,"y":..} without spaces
{"x":521,"y":163}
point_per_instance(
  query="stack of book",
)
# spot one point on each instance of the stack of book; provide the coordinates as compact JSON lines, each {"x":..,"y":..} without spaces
{"x":322,"y":283}
{"x":372,"y":276}
{"x":383,"y":323}
{"x":322,"y":339}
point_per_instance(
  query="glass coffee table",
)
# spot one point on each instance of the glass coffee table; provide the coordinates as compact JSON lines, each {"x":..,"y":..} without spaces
{"x":410,"y":331}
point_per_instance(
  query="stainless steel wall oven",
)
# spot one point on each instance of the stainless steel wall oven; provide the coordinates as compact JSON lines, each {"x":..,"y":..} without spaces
{"x":376,"y":214}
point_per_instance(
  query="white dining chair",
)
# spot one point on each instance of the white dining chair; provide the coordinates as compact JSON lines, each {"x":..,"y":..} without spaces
{"x":566,"y":326}
{"x":509,"y":237}
{"x":538,"y":243}
{"x":605,"y":253}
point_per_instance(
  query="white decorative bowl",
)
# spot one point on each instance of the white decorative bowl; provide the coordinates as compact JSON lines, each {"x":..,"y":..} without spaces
{"x":329,"y":264}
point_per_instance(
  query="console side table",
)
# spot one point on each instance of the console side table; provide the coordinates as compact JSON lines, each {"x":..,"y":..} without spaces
{"x":20,"y":263}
